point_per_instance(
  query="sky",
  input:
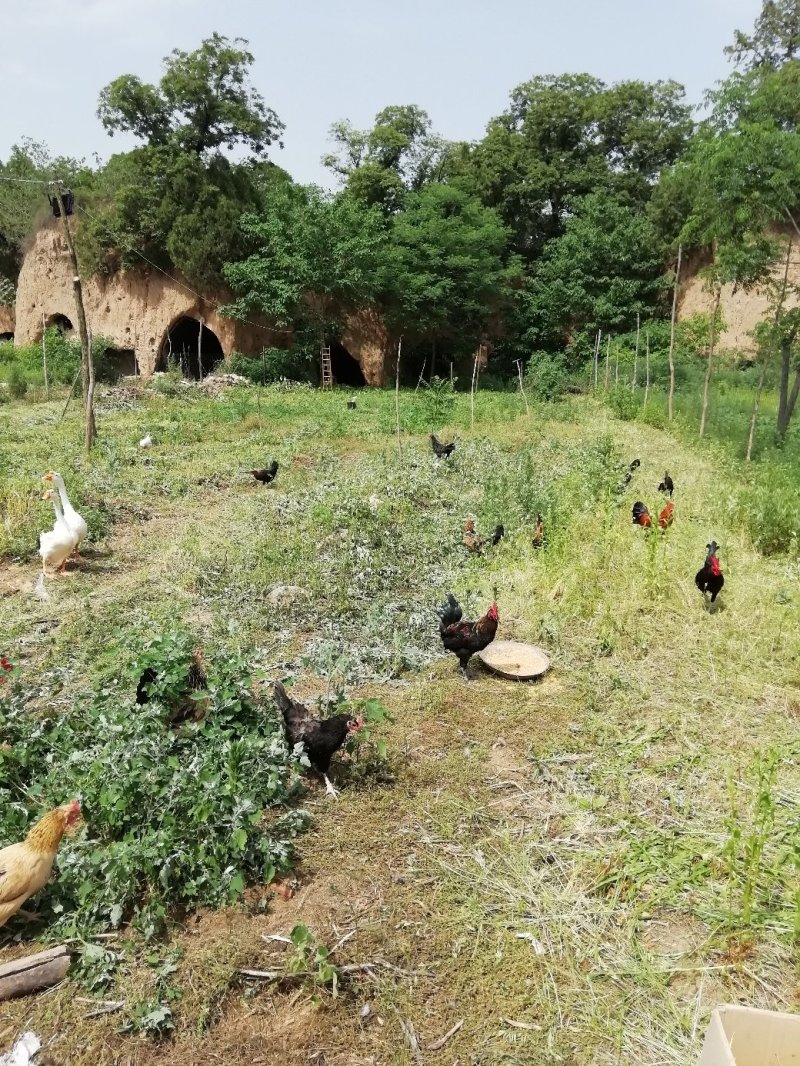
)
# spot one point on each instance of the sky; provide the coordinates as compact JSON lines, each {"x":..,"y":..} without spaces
{"x":318,"y":61}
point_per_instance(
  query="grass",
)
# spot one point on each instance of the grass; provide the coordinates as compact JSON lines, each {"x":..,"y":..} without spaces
{"x":634,"y":816}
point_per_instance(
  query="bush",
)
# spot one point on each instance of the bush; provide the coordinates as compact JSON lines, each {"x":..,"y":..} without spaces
{"x":17,"y":382}
{"x":623,"y":403}
{"x":771,"y":512}
{"x":547,"y":376}
{"x":274,"y":364}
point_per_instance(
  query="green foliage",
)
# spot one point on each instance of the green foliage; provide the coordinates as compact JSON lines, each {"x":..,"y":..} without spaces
{"x":775,"y":38}
{"x":770,"y":509}
{"x":204,"y":102}
{"x":623,"y":403}
{"x":17,"y":382}
{"x":311,"y":958}
{"x":438,"y":399}
{"x":175,"y":818}
{"x":275,"y":364}
{"x":607,"y":266}
{"x":304,"y":242}
{"x":546,"y":375}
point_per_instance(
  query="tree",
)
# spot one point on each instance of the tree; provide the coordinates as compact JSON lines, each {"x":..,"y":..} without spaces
{"x":204,"y":102}
{"x":605,"y":268}
{"x":775,"y":38}
{"x":399,"y":154}
{"x":312,"y":258}
{"x":565,"y":137}
{"x":449,"y":270}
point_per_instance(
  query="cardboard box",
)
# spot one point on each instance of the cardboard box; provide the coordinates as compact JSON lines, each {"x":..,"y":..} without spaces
{"x":744,"y":1036}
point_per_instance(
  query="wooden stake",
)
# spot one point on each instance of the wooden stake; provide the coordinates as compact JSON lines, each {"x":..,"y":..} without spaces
{"x":472,"y":388}
{"x":521,"y":389}
{"x":765,"y":362}
{"x":597,"y":355}
{"x":86,"y":353}
{"x":616,"y":366}
{"x":44,"y":357}
{"x":419,"y":382}
{"x":636,"y":353}
{"x":672,"y":334}
{"x":397,"y":397}
{"x":711,"y":344}
{"x":608,"y":353}
{"x":200,"y":350}
{"x":647,"y":366}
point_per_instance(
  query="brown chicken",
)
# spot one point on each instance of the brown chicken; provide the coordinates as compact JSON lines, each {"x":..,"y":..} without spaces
{"x":191,"y":702}
{"x":25,"y":868}
{"x":473,"y":541}
{"x":321,"y":737}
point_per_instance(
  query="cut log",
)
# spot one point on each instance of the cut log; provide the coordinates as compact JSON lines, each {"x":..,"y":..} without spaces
{"x":33,"y":972}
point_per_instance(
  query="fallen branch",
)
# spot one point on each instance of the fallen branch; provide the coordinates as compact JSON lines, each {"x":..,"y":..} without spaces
{"x":440,"y":1043}
{"x":34,"y":972}
{"x":411,"y":1039}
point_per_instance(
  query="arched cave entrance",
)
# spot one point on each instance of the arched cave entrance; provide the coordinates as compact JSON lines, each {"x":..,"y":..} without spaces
{"x":180,"y":348}
{"x":5,"y":337}
{"x":121,"y":362}
{"x":346,"y":369}
{"x":61,"y":323}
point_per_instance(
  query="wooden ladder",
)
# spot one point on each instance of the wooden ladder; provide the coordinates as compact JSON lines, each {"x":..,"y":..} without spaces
{"x":327,"y":369}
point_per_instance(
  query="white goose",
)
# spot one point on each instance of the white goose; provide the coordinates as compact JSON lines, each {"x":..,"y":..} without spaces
{"x":75,"y":522}
{"x":56,"y":545}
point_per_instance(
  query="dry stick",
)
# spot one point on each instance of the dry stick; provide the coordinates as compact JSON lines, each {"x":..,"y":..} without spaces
{"x":672,"y":333}
{"x":712,"y":342}
{"x":521,"y":389}
{"x":647,"y":366}
{"x":636,"y":353}
{"x":596,"y":354}
{"x":90,"y":398}
{"x":71,"y":391}
{"x":616,"y":367}
{"x":472,"y":389}
{"x":608,"y":353}
{"x":419,"y":382}
{"x":86,"y":353}
{"x":765,"y":363}
{"x":397,"y":397}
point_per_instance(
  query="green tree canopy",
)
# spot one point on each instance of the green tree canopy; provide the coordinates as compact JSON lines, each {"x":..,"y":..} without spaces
{"x":399,"y":154}
{"x":568,"y":136}
{"x":607,"y":266}
{"x":204,"y":102}
{"x":775,"y":38}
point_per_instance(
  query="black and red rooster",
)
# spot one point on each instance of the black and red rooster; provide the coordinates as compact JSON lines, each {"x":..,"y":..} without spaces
{"x":464,"y":639}
{"x":710,"y":578}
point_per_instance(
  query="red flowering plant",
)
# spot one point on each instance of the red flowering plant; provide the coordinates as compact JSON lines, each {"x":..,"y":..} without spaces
{"x":6,"y":668}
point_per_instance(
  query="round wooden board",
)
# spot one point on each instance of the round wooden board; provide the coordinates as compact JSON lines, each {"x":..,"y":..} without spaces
{"x":514,"y":660}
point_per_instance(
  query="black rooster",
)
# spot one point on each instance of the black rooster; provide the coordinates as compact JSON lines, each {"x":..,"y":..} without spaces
{"x":321,"y":737}
{"x":667,"y":485}
{"x":464,"y":639}
{"x":710,"y":578}
{"x":640,"y":515}
{"x":442,"y":451}
{"x":267,"y":475}
{"x":188,"y":703}
{"x":499,"y":533}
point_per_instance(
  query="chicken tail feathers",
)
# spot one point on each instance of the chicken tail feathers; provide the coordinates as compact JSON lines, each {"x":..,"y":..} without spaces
{"x":450,"y":612}
{"x":281,"y":697}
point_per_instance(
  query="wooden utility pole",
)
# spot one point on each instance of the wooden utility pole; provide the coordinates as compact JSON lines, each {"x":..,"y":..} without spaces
{"x":87,"y":363}
{"x":711,"y":343}
{"x":672,"y":334}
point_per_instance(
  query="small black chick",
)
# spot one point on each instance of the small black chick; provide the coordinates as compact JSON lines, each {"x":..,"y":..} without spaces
{"x":710,"y":578}
{"x":267,"y":475}
{"x":667,"y":484}
{"x":351,"y":405}
{"x":635,"y":464}
{"x":442,"y":451}
{"x":499,"y":533}
{"x":321,"y":737}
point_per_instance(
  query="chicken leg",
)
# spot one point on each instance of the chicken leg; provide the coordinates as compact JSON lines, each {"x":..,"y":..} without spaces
{"x":329,"y":789}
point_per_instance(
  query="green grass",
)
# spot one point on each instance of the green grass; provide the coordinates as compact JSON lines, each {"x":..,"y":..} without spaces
{"x":635,"y":815}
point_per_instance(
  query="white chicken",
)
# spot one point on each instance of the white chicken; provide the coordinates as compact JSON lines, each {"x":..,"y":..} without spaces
{"x":146,"y":442}
{"x":56,"y":545}
{"x":75,"y":521}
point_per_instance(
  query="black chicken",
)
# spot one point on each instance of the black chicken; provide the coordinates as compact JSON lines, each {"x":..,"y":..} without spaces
{"x":499,"y":533}
{"x":321,"y":737}
{"x":635,"y":464}
{"x":464,"y":639}
{"x":267,"y":475}
{"x":538,"y":533}
{"x":442,"y":451}
{"x":710,"y":578}
{"x":641,"y":516}
{"x":667,"y":485}
{"x":188,"y":703}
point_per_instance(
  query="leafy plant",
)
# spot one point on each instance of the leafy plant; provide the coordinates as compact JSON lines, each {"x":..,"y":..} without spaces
{"x":311,"y":958}
{"x":17,"y":382}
